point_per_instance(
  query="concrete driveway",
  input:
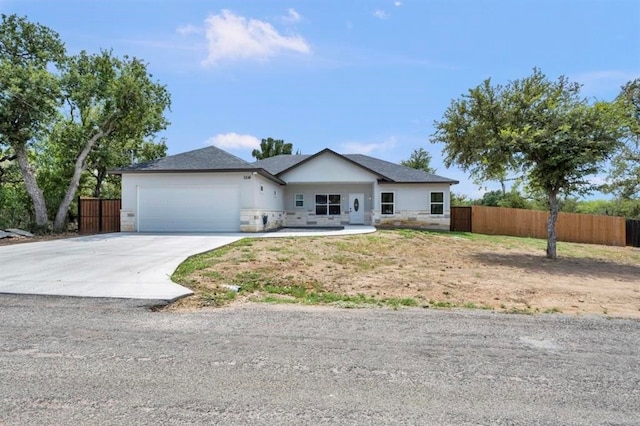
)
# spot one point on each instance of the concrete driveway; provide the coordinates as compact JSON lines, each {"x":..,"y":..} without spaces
{"x":123,"y":265}
{"x":137,"y":266}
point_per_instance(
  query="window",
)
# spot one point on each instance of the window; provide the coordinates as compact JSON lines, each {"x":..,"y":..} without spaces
{"x":437,"y":203}
{"x":328,"y":204}
{"x":299,"y":200}
{"x":387,"y":205}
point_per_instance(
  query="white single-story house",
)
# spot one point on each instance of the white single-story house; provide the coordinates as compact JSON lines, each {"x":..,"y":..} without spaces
{"x":211,"y":190}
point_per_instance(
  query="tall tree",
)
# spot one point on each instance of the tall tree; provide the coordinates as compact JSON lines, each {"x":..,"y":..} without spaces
{"x":107,"y":98}
{"x":271,"y":147}
{"x":29,"y":94}
{"x":540,"y":128}
{"x":74,"y":107}
{"x":624,"y":175}
{"x":420,"y":159}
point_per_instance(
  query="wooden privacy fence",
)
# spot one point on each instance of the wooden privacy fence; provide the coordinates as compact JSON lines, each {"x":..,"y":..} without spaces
{"x":633,"y":232}
{"x":461,"y":219}
{"x":97,"y":216}
{"x":571,"y":227}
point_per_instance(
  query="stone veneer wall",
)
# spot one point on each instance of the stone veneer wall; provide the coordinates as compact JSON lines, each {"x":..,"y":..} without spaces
{"x":251,"y":220}
{"x":127,"y":221}
{"x":413,"y":219}
{"x":305,"y":218}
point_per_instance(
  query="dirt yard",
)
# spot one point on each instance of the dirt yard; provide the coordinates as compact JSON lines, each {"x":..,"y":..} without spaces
{"x":433,"y":269}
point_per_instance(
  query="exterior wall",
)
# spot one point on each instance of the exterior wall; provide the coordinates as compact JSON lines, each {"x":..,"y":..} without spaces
{"x":305,"y":216}
{"x":412,"y":206}
{"x":328,"y":168}
{"x":131,"y":182}
{"x":268,"y":200}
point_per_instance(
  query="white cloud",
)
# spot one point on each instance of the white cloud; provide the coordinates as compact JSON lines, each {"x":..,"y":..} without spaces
{"x":603,"y":83}
{"x":380,"y":14}
{"x":234,"y":37}
{"x":368,"y":148}
{"x":292,"y":16}
{"x":397,"y":3}
{"x":234,"y":141}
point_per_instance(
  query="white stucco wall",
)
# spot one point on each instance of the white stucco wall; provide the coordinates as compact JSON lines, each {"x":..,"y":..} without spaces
{"x":328,"y":168}
{"x":268,"y":200}
{"x":414,"y":196}
{"x":413,"y":207}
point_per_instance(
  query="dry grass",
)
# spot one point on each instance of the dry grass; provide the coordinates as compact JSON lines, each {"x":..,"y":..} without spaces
{"x":419,"y":268}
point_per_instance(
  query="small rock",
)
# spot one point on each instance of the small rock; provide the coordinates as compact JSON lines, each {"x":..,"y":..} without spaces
{"x":5,"y":235}
{"x":235,"y":288}
{"x":20,"y":232}
{"x":581,"y":300}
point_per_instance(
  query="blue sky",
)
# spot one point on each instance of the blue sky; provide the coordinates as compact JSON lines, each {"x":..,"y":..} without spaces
{"x":355,"y":76}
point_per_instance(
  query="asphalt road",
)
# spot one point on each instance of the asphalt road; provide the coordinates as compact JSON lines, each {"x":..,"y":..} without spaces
{"x":98,"y":361}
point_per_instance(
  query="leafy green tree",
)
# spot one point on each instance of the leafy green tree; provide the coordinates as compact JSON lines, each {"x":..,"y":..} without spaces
{"x":624,"y":175}
{"x":539,"y":128}
{"x":108,"y":99}
{"x":271,"y":147}
{"x":59,"y":114}
{"x":420,"y":159}
{"x":29,"y":95}
{"x":460,"y":200}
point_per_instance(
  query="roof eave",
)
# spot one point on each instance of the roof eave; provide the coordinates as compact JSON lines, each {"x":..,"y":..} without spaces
{"x":452,"y":182}
{"x":260,"y":171}
{"x":317,"y":154}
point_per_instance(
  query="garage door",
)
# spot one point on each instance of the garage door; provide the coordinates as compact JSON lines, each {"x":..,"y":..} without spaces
{"x":188,"y":208}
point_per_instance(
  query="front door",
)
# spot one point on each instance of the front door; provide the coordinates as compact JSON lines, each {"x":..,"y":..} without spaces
{"x":356,"y":209}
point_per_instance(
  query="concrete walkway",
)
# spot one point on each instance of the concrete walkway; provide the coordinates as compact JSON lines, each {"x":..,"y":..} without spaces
{"x":121,"y":265}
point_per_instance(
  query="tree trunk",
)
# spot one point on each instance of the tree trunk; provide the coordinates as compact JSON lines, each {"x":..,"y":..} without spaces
{"x":61,"y":215}
{"x":551,"y":225}
{"x":34,"y":191}
{"x":100,"y":176}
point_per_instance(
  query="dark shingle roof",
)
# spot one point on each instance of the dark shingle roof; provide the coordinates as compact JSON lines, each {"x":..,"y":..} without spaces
{"x":280,"y":163}
{"x":386,"y":170}
{"x":396,"y":172}
{"x":210,"y":158}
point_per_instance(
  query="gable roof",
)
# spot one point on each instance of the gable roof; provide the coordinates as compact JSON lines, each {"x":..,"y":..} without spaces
{"x":209,"y":159}
{"x":213,"y":159}
{"x":385,"y":170}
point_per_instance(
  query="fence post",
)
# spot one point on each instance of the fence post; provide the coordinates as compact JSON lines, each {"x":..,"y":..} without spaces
{"x":79,"y":215}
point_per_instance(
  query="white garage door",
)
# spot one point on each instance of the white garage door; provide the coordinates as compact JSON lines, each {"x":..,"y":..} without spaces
{"x":188,"y":208}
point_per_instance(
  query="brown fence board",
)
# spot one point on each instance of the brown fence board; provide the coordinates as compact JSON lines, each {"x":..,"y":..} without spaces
{"x":96,"y":216}
{"x":460,"y":219}
{"x":633,"y":232}
{"x":570,"y":227}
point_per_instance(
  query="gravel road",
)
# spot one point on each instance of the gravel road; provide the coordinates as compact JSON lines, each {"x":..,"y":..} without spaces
{"x":97,"y":361}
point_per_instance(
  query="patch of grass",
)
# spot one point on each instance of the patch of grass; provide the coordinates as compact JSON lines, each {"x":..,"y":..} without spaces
{"x":216,"y":275}
{"x":553,"y":310}
{"x":249,"y":281}
{"x":441,"y":304}
{"x":522,"y":311}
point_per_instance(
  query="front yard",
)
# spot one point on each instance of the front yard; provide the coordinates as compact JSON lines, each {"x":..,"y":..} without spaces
{"x":417,"y":268}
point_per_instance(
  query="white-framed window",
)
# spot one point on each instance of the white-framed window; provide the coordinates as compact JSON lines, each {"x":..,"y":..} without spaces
{"x":387,"y":202}
{"x":298,"y":200}
{"x":437,"y":202}
{"x":328,"y":204}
